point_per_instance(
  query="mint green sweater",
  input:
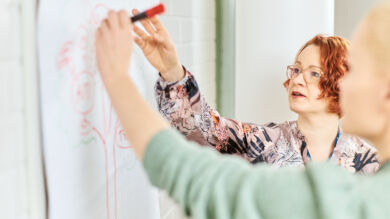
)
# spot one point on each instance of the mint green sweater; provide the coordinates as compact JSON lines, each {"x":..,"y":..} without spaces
{"x":209,"y":185}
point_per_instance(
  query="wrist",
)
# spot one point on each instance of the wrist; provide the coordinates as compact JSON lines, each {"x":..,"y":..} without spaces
{"x":175,"y":74}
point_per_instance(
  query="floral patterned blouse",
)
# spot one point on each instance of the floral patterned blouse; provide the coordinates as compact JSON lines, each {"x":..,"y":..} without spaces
{"x":280,"y":145}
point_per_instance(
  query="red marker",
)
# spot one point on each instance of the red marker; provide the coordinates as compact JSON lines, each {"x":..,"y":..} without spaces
{"x":149,"y":13}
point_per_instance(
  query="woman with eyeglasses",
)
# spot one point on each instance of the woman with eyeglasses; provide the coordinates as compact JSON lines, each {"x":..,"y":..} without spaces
{"x":209,"y":185}
{"x":313,"y":93}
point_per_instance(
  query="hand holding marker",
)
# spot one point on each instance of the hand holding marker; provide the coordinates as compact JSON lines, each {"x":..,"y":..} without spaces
{"x":106,"y":29}
{"x":165,"y":58}
{"x":156,"y":44}
{"x":149,"y":13}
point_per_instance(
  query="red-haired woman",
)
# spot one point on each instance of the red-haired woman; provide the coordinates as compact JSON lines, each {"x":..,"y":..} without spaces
{"x":313,"y":93}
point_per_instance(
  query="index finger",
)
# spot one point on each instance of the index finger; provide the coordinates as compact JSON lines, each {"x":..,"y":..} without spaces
{"x":145,"y":23}
{"x":157,"y":23}
{"x":124,"y":18}
{"x":112,"y":19}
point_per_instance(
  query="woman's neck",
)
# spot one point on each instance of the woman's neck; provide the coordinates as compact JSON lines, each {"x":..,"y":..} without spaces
{"x":320,"y":132}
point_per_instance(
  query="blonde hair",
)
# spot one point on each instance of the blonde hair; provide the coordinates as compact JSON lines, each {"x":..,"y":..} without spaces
{"x":377,"y":35}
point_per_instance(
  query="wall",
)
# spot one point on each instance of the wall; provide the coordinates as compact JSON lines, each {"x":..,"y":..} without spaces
{"x":225,"y":56}
{"x":348,"y":13}
{"x":268,"y":36}
{"x":191,"y":24}
{"x":21,"y":184}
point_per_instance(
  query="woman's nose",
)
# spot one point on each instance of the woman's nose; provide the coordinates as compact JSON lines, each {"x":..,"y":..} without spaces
{"x":299,"y":79}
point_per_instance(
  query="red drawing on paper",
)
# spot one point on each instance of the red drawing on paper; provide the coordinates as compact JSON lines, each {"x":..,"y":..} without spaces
{"x":64,"y":59}
{"x":85,"y":127}
{"x":82,"y":93}
{"x":98,"y":13}
{"x":120,"y":137}
{"x":76,"y":59}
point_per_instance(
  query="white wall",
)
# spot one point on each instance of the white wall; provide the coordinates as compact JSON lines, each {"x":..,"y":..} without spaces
{"x":191,"y":24}
{"x":12,"y":161}
{"x":21,"y":184}
{"x":268,"y":36}
{"x":348,"y":13}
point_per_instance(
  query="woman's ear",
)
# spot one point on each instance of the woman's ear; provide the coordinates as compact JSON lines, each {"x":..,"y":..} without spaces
{"x":286,"y":84}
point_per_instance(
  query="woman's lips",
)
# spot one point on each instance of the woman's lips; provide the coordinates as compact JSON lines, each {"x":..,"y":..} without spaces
{"x":296,"y":94}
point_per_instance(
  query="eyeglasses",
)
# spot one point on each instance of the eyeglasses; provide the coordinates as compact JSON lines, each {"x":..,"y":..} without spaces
{"x":311,"y":75}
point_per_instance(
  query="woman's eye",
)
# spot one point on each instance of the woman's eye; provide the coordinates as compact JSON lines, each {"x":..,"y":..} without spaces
{"x":296,"y":70}
{"x":315,"y":74}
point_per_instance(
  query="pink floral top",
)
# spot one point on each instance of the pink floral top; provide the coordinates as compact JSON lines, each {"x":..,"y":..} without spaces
{"x":281,"y":145}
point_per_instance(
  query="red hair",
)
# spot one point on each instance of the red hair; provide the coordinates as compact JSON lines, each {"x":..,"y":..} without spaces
{"x":333,"y":59}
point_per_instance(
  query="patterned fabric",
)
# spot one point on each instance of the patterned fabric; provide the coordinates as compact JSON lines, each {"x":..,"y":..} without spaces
{"x":281,"y":145}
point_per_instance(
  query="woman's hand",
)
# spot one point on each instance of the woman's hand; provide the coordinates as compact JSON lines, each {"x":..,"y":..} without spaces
{"x":114,"y":46}
{"x":158,"y":48}
{"x":113,"y":51}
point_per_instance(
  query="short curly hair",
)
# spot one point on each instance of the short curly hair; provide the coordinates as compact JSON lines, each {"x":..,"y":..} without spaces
{"x":333,"y":59}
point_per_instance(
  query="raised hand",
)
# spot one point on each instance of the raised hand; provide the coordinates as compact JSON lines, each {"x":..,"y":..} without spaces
{"x":114,"y":46}
{"x":158,"y":48}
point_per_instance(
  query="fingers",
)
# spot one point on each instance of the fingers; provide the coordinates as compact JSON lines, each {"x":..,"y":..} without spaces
{"x":141,"y":43}
{"x":157,"y":24}
{"x":113,"y":20}
{"x":158,"y":39}
{"x":104,"y":27}
{"x":135,"y":11}
{"x":140,"y":32}
{"x":124,"y":18}
{"x":143,"y":38}
{"x":145,"y":23}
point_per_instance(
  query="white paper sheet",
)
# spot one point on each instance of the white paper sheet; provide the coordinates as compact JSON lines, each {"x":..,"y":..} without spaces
{"x":91,"y":169}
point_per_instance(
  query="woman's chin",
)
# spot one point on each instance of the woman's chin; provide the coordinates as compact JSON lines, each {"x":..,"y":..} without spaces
{"x":297,"y":109}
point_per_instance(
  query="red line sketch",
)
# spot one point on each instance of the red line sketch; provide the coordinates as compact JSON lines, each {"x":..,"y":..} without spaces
{"x":76,"y":59}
